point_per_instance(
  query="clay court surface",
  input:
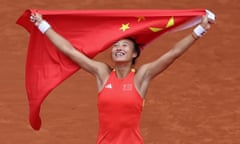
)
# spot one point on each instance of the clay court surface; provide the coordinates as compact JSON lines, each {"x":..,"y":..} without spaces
{"x":195,"y":101}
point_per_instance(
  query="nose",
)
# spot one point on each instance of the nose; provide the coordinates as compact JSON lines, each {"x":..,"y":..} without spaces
{"x":118,"y":48}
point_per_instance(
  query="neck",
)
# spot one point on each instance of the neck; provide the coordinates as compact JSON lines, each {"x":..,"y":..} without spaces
{"x":122,"y":70}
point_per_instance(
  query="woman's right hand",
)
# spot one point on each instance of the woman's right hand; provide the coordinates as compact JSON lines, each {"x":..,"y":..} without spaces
{"x":36,"y":18}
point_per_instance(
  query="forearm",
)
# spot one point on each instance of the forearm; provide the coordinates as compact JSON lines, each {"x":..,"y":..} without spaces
{"x":169,"y":57}
{"x":189,"y":40}
{"x":60,"y":42}
{"x":45,"y":28}
{"x":67,"y":49}
{"x":65,"y":46}
{"x":181,"y":46}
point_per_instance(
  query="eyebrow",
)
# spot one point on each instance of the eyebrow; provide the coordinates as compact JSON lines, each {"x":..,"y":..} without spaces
{"x":127,"y":42}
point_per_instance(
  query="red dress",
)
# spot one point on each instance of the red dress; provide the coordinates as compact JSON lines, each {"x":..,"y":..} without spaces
{"x":120,"y":108}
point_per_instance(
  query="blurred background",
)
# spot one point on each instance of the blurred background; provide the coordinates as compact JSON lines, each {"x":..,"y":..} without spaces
{"x":195,"y":101}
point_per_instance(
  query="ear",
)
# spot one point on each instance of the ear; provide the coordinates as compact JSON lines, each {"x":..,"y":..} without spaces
{"x":134,"y":54}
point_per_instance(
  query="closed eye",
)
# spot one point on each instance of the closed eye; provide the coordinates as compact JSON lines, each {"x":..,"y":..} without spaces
{"x":115,"y":45}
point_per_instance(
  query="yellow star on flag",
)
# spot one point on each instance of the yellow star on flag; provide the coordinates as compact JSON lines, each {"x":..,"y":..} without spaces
{"x":155,"y":29}
{"x":124,"y":27}
{"x":170,"y":22}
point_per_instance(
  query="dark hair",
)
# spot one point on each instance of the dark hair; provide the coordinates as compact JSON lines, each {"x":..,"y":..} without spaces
{"x":136,"y":47}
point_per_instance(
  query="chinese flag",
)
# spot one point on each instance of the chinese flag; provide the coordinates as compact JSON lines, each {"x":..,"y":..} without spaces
{"x":91,"y":32}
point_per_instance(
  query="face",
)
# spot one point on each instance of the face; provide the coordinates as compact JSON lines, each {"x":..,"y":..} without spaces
{"x":123,"y":51}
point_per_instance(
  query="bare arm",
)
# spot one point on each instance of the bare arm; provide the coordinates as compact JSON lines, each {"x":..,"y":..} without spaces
{"x":98,"y":69}
{"x":65,"y":47}
{"x":152,"y":69}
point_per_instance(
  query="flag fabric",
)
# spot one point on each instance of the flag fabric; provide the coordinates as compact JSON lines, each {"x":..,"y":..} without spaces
{"x":91,"y":32}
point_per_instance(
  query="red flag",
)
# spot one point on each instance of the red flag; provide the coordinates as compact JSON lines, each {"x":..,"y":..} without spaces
{"x":91,"y":32}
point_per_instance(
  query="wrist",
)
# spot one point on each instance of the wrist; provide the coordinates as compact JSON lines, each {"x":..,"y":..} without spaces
{"x":43,"y":26}
{"x":198,"y":32}
{"x":194,"y":36}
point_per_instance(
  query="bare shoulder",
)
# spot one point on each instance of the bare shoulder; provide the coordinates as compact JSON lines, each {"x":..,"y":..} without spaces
{"x":102,"y":68}
{"x":141,"y":80}
{"x":102,"y":73}
{"x":141,"y":72}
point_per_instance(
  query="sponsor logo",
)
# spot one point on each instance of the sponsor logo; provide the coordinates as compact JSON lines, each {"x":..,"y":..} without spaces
{"x":127,"y":87}
{"x":108,"y":86}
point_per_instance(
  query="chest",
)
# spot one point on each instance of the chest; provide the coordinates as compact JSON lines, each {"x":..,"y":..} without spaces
{"x":119,"y":94}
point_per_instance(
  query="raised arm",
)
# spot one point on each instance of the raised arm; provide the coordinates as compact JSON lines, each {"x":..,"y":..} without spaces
{"x":152,"y":69}
{"x":98,"y":69}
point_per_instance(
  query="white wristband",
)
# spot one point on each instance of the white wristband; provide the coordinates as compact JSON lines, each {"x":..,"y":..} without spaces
{"x":44,"y":26}
{"x":199,"y":31}
{"x":211,"y":16}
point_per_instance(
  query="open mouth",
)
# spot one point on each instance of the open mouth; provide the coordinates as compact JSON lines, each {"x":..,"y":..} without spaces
{"x":119,"y":54}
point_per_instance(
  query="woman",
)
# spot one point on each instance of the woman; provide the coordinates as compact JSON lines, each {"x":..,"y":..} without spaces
{"x":121,"y":89}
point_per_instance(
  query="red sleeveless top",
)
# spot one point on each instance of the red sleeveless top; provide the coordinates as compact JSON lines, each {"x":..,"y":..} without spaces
{"x":120,"y":108}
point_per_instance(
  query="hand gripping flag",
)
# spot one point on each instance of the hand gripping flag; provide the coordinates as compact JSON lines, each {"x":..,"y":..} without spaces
{"x":91,"y":32}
